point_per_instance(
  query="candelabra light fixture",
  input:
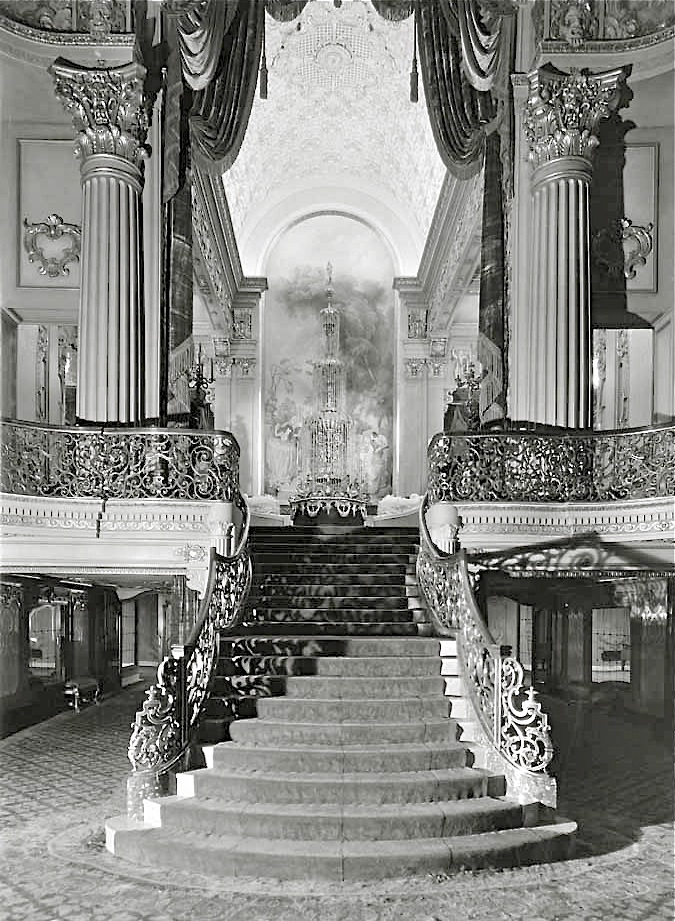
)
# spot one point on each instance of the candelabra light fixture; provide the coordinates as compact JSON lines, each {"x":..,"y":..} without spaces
{"x":201,"y":392}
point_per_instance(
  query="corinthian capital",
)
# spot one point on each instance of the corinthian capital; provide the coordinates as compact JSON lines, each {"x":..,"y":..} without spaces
{"x":564,"y":110}
{"x":108,"y":107}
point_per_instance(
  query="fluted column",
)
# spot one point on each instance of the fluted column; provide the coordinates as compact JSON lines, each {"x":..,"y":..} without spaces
{"x":561,"y":121}
{"x":109,"y":112}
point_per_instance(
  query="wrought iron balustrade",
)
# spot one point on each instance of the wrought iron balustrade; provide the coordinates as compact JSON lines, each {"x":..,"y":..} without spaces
{"x":164,"y":729}
{"x":509,"y":713}
{"x":574,"y":466}
{"x":118,"y":463}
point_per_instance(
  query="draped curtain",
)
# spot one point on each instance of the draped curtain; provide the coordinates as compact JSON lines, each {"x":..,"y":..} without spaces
{"x":465,"y":53}
{"x":465,"y":50}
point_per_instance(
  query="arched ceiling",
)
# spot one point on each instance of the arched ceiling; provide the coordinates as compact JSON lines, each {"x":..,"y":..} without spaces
{"x":339,"y":125}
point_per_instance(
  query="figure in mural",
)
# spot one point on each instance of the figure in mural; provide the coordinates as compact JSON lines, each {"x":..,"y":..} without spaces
{"x":376,"y":470}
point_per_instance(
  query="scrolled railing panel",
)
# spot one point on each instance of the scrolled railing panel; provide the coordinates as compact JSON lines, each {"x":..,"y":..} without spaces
{"x":163,"y":729}
{"x":509,"y":713}
{"x":40,"y":460}
{"x":573,"y":466}
{"x":523,"y":726}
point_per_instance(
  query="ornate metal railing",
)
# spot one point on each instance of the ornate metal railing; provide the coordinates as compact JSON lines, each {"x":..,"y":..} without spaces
{"x":164,"y":729}
{"x":509,"y":713}
{"x":118,"y":463}
{"x":574,"y":466}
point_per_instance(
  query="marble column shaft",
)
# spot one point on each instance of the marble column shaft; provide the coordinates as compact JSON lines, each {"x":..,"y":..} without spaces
{"x":561,"y":119}
{"x":110,"y":114}
{"x":560,"y":336}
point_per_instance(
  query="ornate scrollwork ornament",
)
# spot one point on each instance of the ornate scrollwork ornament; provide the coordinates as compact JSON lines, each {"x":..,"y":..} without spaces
{"x":155,"y":739}
{"x":525,"y":731}
{"x":53,"y":228}
{"x":637,"y":242}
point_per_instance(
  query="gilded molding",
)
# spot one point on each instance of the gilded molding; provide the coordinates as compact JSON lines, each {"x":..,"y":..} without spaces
{"x":109,"y":108}
{"x":564,"y":110}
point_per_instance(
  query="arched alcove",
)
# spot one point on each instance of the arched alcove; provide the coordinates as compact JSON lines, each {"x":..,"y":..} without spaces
{"x":362,"y":273}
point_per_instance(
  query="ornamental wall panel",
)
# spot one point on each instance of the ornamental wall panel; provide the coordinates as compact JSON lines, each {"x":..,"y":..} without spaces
{"x":49,"y":184}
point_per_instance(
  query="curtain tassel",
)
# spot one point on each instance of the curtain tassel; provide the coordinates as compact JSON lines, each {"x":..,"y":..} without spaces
{"x":263,"y":78}
{"x":414,"y":80}
{"x":263,"y":67}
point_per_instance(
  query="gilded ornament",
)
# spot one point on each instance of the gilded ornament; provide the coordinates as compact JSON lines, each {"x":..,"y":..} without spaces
{"x":564,"y":110}
{"x":53,"y":228}
{"x":109,"y":109}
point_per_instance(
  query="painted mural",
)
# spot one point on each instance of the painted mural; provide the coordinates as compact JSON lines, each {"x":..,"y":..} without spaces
{"x":362,"y":274}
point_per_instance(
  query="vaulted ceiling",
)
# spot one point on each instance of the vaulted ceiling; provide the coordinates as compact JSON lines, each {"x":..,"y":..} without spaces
{"x":337,"y":133}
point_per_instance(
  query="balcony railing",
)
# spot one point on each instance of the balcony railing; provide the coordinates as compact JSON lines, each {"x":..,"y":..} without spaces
{"x":118,"y":463}
{"x":574,"y":466}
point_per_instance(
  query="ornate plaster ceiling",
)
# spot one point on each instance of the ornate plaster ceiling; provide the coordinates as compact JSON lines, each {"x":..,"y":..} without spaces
{"x":337,"y":120}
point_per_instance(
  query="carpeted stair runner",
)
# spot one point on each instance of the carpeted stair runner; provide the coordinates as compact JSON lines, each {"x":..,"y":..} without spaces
{"x":352,"y":768}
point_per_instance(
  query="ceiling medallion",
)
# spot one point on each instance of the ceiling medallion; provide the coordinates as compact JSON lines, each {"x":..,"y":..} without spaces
{"x":333,"y":57}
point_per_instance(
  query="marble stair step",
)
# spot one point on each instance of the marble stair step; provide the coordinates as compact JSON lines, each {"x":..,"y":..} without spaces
{"x":320,"y":588}
{"x":404,"y":627}
{"x":308,"y":644}
{"x":282,"y":665}
{"x":357,"y":787}
{"x":366,"y":709}
{"x":230,"y":856}
{"x":364,"y":687}
{"x":411,"y":756}
{"x":263,"y":600}
{"x":289,"y":822}
{"x":285,"y":732}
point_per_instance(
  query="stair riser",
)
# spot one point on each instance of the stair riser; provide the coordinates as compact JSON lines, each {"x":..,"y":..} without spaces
{"x":308,"y":790}
{"x":339,"y":711}
{"x":348,"y":688}
{"x":268,"y":733}
{"x":251,"y":759}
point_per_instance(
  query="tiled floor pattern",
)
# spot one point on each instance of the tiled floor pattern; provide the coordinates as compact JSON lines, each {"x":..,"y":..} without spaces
{"x":62,"y":778}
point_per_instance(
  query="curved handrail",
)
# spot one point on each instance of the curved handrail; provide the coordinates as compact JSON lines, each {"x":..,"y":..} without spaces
{"x":118,"y":462}
{"x":509,"y":714}
{"x":163,"y":729}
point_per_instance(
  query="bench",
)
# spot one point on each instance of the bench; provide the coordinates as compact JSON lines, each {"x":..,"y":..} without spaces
{"x":83,"y":690}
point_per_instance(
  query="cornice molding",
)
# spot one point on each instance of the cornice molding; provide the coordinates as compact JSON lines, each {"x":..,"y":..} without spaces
{"x":229,"y":288}
{"x":650,"y":55}
{"x":451,"y":254}
{"x":39,"y":48}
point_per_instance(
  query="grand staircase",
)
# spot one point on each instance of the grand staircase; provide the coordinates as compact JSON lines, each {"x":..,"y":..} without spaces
{"x":352,"y":767}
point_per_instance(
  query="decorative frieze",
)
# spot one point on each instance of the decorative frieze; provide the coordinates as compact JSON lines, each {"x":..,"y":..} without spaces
{"x":108,"y":106}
